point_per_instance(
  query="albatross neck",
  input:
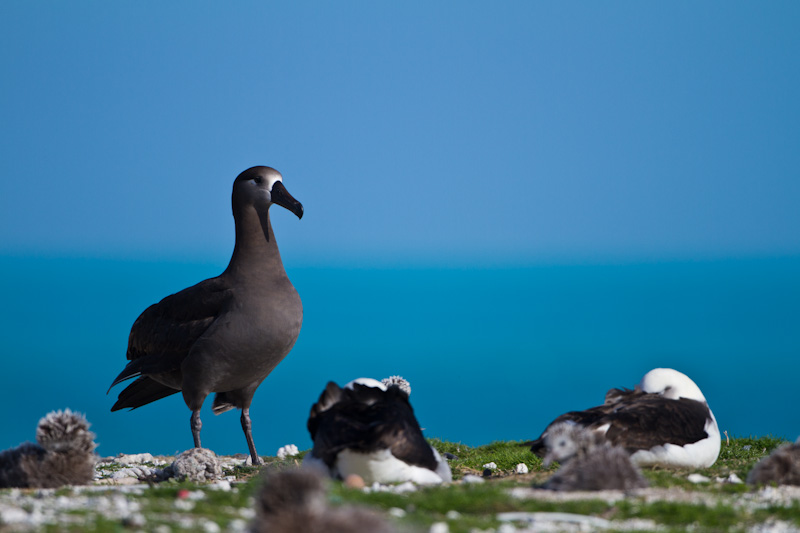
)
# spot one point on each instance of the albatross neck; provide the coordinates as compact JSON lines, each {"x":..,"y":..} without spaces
{"x":253,"y":254}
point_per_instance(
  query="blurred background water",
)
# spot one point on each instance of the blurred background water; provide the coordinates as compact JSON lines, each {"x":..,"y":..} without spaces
{"x":491,"y":352}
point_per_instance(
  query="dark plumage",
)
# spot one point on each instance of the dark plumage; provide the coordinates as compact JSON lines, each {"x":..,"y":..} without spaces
{"x":781,"y":467}
{"x":588,"y":463}
{"x":665,"y":420}
{"x":369,"y":428}
{"x":64,"y":454}
{"x":225,"y":334}
{"x":294,"y":501}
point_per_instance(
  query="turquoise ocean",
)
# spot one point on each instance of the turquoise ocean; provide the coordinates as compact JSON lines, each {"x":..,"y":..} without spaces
{"x":491,"y":353}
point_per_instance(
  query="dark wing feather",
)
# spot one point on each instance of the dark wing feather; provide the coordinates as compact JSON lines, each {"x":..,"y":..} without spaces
{"x":176,"y":322}
{"x":622,"y":395}
{"x":165,"y":332}
{"x":329,"y":397}
{"x":655,"y":420}
{"x":142,"y":391}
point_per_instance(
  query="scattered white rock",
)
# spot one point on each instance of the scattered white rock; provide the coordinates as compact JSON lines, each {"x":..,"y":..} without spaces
{"x":134,"y":459}
{"x":506,"y":528}
{"x":210,"y":527}
{"x":400,"y":488}
{"x":223,"y":484}
{"x":397,"y":512}
{"x":452,"y":515}
{"x":439,"y":527}
{"x":290,"y":450}
{"x":521,"y":468}
{"x":184,"y":505}
{"x":472,"y":478}
{"x":584,"y":521}
{"x":137,"y":472}
{"x":698,"y":478}
{"x":491,"y":466}
{"x":237,"y":525}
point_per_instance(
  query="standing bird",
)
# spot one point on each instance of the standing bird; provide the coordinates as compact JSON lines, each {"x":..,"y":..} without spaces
{"x":664,"y":420}
{"x":225,"y":334}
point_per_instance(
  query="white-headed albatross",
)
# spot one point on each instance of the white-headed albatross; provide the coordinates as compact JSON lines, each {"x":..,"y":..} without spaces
{"x":663,"y":420}
{"x":368,"y":428}
{"x":225,"y":334}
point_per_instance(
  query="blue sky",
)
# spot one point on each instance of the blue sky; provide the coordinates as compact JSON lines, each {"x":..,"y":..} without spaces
{"x":428,"y":131}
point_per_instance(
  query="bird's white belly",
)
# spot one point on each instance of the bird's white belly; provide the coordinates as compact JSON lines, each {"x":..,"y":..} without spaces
{"x":700,"y":454}
{"x":383,"y":467}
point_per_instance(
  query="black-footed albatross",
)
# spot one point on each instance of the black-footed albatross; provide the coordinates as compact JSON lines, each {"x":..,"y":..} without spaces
{"x":225,"y":334}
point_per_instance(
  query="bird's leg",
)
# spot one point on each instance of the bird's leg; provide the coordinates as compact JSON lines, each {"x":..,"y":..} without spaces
{"x":197,"y":425}
{"x":248,"y":434}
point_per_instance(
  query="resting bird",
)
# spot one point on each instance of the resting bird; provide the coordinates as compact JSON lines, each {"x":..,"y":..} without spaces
{"x":225,"y":334}
{"x":64,"y":454}
{"x":664,"y":420}
{"x":588,"y":462}
{"x":781,"y":467}
{"x":294,"y":501}
{"x":368,"y":428}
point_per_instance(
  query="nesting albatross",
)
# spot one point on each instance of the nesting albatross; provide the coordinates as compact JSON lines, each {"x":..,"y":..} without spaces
{"x":368,"y":428}
{"x":664,"y":420}
{"x":225,"y":334}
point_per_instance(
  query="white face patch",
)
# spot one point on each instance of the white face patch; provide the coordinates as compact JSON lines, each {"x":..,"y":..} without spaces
{"x":369,"y":382}
{"x":273,"y":177}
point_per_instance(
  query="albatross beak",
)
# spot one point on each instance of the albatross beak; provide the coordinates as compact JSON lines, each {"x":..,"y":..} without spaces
{"x":282,"y":197}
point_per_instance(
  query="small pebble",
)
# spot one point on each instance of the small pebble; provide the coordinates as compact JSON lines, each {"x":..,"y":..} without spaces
{"x":237,"y":525}
{"x":134,"y":521}
{"x":439,"y":527}
{"x":698,"y":478}
{"x":210,"y":527}
{"x":223,"y":484}
{"x":132,"y":459}
{"x":490,"y":466}
{"x":471,"y":478}
{"x":397,"y":512}
{"x":733,"y":478}
{"x":452,"y":515}
{"x":354,"y":481}
{"x":521,"y":468}
{"x":184,"y":505}
{"x":404,"y":487}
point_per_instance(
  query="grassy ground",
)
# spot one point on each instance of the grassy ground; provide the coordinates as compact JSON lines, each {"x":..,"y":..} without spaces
{"x":673,"y":504}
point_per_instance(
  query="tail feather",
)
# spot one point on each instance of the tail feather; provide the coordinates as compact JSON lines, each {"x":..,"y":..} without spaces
{"x":131,"y":370}
{"x":141,"y":392}
{"x":222,"y":403}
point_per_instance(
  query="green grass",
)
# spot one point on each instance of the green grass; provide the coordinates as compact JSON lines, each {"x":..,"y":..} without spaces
{"x":477,"y":504}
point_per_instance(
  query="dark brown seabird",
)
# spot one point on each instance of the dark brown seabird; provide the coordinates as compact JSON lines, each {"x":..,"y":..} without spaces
{"x":225,"y":334}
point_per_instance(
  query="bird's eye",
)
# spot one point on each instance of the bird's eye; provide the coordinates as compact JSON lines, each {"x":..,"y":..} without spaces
{"x":258,"y":180}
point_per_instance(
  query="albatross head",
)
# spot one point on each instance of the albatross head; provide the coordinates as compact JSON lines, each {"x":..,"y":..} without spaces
{"x":671,"y":384}
{"x":260,"y":187}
